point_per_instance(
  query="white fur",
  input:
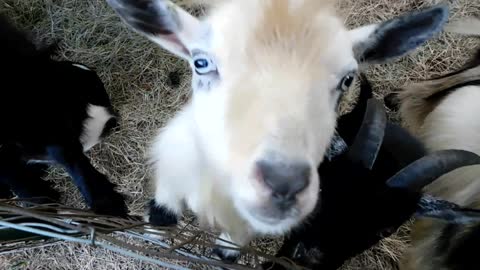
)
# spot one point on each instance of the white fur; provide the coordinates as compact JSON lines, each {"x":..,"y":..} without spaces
{"x":362,"y":33}
{"x":279,"y":97}
{"x":81,"y":66}
{"x":455,"y":122}
{"x":93,"y":125}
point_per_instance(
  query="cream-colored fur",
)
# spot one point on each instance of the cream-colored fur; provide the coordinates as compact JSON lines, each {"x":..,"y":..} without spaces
{"x":279,"y":97}
{"x":454,"y":123}
{"x":268,"y":93}
{"x":414,"y":103}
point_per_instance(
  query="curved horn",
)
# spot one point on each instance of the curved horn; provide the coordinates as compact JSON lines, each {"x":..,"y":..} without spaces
{"x":426,"y":169}
{"x":369,"y":138}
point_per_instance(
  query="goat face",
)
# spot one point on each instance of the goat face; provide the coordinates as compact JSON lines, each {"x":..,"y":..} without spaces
{"x":267,"y":76}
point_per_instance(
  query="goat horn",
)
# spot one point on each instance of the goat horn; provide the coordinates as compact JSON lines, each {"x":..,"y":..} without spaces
{"x":426,"y":169}
{"x":366,"y":145}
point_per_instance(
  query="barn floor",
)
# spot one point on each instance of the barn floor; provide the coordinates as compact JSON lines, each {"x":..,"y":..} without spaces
{"x":135,"y":73}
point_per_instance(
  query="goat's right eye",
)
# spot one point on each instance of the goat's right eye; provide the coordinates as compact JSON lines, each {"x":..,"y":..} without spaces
{"x":346,"y":82}
{"x":203,"y":64}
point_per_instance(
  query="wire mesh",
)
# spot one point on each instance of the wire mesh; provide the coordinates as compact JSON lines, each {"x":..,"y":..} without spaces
{"x":26,"y":225}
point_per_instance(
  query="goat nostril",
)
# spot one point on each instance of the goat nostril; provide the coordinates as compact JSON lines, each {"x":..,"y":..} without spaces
{"x":285,"y":180}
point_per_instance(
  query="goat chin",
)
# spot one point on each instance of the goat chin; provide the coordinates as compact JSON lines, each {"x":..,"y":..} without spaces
{"x":180,"y":180}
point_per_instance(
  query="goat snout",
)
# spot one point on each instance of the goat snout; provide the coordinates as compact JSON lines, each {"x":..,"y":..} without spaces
{"x":284,"y":180}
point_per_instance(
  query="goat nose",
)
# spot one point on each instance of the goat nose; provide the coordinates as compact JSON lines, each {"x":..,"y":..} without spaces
{"x":285,"y":180}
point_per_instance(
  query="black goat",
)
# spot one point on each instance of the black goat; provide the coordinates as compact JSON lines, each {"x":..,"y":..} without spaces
{"x":359,"y":206}
{"x":51,"y":112}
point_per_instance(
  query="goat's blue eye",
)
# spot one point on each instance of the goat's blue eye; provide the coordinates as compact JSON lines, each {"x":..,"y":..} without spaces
{"x":201,"y":63}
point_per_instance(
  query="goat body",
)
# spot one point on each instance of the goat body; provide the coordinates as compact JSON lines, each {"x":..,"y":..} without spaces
{"x":51,"y":112}
{"x":442,"y":112}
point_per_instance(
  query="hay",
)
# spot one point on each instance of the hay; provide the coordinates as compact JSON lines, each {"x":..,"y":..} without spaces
{"x":136,"y":74}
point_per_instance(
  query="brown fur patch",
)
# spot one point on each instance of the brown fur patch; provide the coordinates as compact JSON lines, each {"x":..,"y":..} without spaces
{"x":420,"y":99}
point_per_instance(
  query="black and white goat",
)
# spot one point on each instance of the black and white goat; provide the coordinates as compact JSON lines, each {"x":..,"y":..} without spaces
{"x":442,"y":112}
{"x":369,"y":190}
{"x":51,"y":112}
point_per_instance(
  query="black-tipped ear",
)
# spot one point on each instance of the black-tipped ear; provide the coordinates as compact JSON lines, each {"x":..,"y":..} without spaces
{"x":398,"y":36}
{"x":425,"y":170}
{"x":162,"y":22}
{"x":370,"y":135}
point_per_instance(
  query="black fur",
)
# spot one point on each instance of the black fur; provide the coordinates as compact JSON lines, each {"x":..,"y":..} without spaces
{"x":462,"y":254}
{"x":160,"y":216}
{"x":43,"y":106}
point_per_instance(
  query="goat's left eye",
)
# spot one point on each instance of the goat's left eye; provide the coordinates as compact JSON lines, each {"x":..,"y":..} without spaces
{"x":203,"y":64}
{"x":346,"y":82}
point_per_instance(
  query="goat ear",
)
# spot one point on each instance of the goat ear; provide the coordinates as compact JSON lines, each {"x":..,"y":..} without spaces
{"x":426,"y":169}
{"x":162,"y":22}
{"x":369,"y":138}
{"x":378,"y":43}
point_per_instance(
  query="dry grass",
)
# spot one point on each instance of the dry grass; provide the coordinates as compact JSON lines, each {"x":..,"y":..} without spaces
{"x":136,"y":75}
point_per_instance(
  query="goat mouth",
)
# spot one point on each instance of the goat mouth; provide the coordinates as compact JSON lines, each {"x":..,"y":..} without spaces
{"x":273,"y":215}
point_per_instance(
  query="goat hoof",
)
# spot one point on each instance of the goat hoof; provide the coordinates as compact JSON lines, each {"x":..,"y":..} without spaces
{"x":226,"y":255}
{"x":161,"y":216}
{"x":112,"y":204}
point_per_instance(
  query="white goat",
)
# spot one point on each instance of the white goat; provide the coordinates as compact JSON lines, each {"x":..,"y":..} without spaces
{"x":267,"y":77}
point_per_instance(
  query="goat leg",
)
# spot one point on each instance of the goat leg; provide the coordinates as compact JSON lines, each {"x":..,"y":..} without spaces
{"x":97,"y":190}
{"x":25,"y":181}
